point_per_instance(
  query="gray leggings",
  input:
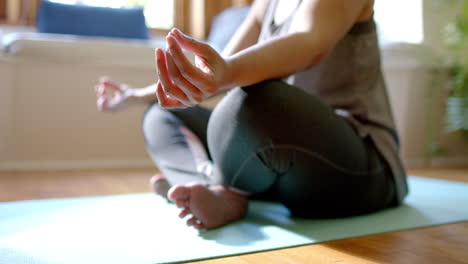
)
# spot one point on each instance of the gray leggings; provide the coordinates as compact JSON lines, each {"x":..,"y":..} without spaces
{"x":279,"y":143}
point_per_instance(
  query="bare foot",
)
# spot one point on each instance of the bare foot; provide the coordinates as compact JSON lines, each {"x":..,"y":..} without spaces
{"x":160,"y":185}
{"x":210,"y":207}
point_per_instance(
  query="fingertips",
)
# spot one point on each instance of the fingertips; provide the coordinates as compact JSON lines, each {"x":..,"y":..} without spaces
{"x":160,"y":58}
{"x":191,"y":73}
{"x":167,"y":84}
{"x":179,"y":35}
{"x":159,"y":53}
{"x":102,"y":103}
{"x":198,"y":47}
{"x":160,"y":95}
{"x":176,"y":33}
{"x":113,"y":85}
{"x":172,"y":44}
{"x":165,"y":101}
{"x":186,"y":89}
{"x":100,"y":90}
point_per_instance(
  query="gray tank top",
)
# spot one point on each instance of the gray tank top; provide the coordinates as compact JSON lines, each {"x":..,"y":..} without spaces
{"x":350,"y":80}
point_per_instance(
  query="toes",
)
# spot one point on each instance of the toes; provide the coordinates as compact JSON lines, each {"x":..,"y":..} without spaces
{"x":160,"y":185}
{"x":180,"y":195}
{"x":199,"y":226}
{"x":185,"y":212}
{"x":157,"y":177}
{"x":195,"y":222}
{"x":192,"y":221}
{"x":182,"y":203}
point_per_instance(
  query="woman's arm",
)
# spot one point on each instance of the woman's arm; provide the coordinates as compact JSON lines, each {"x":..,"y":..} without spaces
{"x":123,"y":95}
{"x":113,"y":96}
{"x":248,"y":33}
{"x":317,"y":27}
{"x":144,"y":95}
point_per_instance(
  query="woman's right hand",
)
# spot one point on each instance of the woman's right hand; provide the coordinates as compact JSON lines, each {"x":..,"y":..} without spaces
{"x":111,"y":96}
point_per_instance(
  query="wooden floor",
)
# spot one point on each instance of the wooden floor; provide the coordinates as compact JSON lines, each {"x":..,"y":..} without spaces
{"x":440,"y":244}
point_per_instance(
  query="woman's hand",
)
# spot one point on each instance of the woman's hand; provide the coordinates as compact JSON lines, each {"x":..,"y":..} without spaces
{"x":182,"y":84}
{"x":111,"y":96}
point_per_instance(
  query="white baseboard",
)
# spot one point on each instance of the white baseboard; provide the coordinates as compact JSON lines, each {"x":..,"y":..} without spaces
{"x":438,"y":162}
{"x":75,"y":164}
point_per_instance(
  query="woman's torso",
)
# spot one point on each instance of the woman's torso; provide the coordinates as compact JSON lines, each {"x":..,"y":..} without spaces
{"x":349,"y":79}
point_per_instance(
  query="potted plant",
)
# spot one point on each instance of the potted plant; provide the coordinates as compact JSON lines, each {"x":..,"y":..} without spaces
{"x":456,"y":40}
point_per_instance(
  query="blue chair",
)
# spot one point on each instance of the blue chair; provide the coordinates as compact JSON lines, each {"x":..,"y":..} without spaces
{"x":91,"y":21}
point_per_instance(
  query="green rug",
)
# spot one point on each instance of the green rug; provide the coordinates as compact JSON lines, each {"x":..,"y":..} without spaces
{"x":142,"y":228}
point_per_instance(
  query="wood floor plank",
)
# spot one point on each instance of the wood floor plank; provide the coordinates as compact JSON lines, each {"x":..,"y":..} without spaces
{"x":439,"y":244}
{"x":29,"y":185}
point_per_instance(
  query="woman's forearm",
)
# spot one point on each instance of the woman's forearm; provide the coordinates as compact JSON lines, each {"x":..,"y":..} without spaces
{"x":248,"y":33}
{"x":323,"y":24}
{"x":143,"y":95}
{"x":274,"y":59}
{"x":246,"y":36}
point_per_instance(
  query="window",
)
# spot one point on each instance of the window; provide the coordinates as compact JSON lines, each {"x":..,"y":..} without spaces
{"x":399,"y":21}
{"x":159,"y":13}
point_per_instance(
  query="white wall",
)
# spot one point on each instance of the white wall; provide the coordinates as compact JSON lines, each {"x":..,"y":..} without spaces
{"x":6,"y":100}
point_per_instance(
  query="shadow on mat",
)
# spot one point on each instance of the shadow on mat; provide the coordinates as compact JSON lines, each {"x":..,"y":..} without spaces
{"x":263,"y":215}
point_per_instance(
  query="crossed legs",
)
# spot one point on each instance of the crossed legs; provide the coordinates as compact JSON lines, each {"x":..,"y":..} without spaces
{"x":270,"y":141}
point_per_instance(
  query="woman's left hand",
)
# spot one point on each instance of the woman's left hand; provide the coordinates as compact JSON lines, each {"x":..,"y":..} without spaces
{"x":182,"y":84}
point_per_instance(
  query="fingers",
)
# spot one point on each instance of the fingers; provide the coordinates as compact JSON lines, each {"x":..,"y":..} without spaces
{"x":102,"y":101}
{"x":197,"y":47}
{"x":102,"y":104}
{"x":179,"y":79}
{"x":111,"y":84}
{"x":166,"y":85}
{"x":196,"y":76}
{"x":164,"y":100}
{"x":192,"y":92}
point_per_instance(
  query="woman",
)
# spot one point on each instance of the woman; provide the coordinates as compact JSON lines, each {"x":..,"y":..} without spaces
{"x":306,"y":121}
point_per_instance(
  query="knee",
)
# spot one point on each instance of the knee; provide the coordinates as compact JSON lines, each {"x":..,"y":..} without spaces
{"x":258,"y":96}
{"x":154,"y":122}
{"x":150,"y":118}
{"x":233,"y":122}
{"x":248,"y":106}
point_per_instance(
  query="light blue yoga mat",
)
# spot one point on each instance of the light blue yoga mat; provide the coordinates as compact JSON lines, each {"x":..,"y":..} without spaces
{"x":143,"y":228}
